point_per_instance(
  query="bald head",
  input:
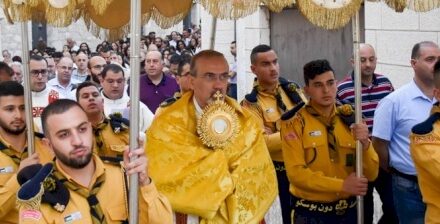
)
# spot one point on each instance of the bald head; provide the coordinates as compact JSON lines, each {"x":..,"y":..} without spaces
{"x":153,"y":64}
{"x":368,"y":59}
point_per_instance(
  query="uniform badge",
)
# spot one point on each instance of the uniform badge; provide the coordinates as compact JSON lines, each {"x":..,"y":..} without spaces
{"x":421,"y":139}
{"x":72,"y":217}
{"x":7,"y":169}
{"x":315,"y":133}
{"x":270,"y":110}
{"x":118,"y":148}
{"x":30,"y":214}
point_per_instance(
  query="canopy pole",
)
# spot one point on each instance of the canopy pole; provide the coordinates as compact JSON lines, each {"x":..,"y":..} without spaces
{"x":358,"y":109}
{"x":27,"y":89}
{"x":213,"y":32}
{"x":135,"y":29}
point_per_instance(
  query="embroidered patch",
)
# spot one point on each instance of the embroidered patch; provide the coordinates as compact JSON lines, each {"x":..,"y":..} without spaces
{"x":72,"y":217}
{"x":7,"y":169}
{"x":270,"y":110}
{"x":118,"y":148}
{"x":290,"y":136}
{"x":315,"y":133}
{"x":30,"y":214}
{"x":420,"y":139}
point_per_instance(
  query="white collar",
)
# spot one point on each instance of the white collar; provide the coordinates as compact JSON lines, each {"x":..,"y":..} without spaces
{"x":199,"y":110}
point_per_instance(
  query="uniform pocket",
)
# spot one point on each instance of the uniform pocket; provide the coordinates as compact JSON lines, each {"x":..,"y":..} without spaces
{"x":117,"y":213}
{"x":312,"y":149}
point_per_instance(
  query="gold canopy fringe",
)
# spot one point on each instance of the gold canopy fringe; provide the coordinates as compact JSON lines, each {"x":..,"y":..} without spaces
{"x":20,"y":13}
{"x":397,"y":5}
{"x":227,"y":9}
{"x":278,"y":5}
{"x":328,"y":18}
{"x":423,"y":5}
{"x":61,"y":17}
{"x":166,"y":22}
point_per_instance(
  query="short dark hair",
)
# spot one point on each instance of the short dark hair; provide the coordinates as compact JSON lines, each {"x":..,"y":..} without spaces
{"x":234,"y":42}
{"x":84,"y":85}
{"x":58,"y":107}
{"x":17,"y":58}
{"x":5,"y":68}
{"x":105,"y":49}
{"x":204,"y":54}
{"x":262,"y":48}
{"x":175,"y":59}
{"x":314,"y":68}
{"x":111,"y":67}
{"x":183,"y":62}
{"x":57,"y":54}
{"x":11,"y":88}
{"x":415,"y":53}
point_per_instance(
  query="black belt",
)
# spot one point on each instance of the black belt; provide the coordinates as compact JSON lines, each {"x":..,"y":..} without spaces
{"x":404,"y":175}
{"x":339,"y":207}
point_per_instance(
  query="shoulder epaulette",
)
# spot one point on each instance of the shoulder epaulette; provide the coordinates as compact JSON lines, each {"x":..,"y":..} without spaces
{"x":168,"y":102}
{"x":118,"y":123}
{"x":426,"y":126}
{"x":289,"y":114}
{"x":252,"y":97}
{"x":346,"y":113}
{"x":38,"y":134}
{"x":291,"y":89}
{"x":39,"y":183}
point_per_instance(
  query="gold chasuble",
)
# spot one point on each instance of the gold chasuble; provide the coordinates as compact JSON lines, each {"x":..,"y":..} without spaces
{"x":235,"y":184}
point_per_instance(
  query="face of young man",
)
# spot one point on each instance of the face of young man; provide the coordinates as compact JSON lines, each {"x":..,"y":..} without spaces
{"x":322,"y":89}
{"x":212,"y":76}
{"x":184,"y":79}
{"x":113,"y":85}
{"x":91,"y":100}
{"x":38,"y":71}
{"x":12,"y":115}
{"x":266,"y":68}
{"x":70,"y":139}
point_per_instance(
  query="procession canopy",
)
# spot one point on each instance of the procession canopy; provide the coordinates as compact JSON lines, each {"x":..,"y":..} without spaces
{"x":109,"y":19}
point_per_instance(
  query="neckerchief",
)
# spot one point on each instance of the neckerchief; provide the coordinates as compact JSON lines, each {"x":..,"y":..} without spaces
{"x":330,"y":126}
{"x":95,"y":208}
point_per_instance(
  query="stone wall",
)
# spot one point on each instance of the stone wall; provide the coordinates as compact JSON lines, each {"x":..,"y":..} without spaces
{"x":394,"y":34}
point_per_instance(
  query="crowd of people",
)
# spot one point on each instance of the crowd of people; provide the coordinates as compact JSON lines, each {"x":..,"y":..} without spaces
{"x":212,"y":159}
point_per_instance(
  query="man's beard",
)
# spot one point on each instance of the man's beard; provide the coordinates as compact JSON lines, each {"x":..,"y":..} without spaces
{"x":12,"y":131}
{"x":95,"y":79}
{"x":76,"y":163}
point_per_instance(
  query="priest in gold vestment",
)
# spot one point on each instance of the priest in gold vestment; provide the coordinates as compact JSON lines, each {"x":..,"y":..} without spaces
{"x":211,"y":179}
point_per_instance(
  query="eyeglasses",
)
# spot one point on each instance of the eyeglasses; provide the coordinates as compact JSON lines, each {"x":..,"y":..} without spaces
{"x":99,"y":66}
{"x":35,"y":73}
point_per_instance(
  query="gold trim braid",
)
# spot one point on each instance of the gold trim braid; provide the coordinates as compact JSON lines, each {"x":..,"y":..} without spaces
{"x":328,"y":18}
